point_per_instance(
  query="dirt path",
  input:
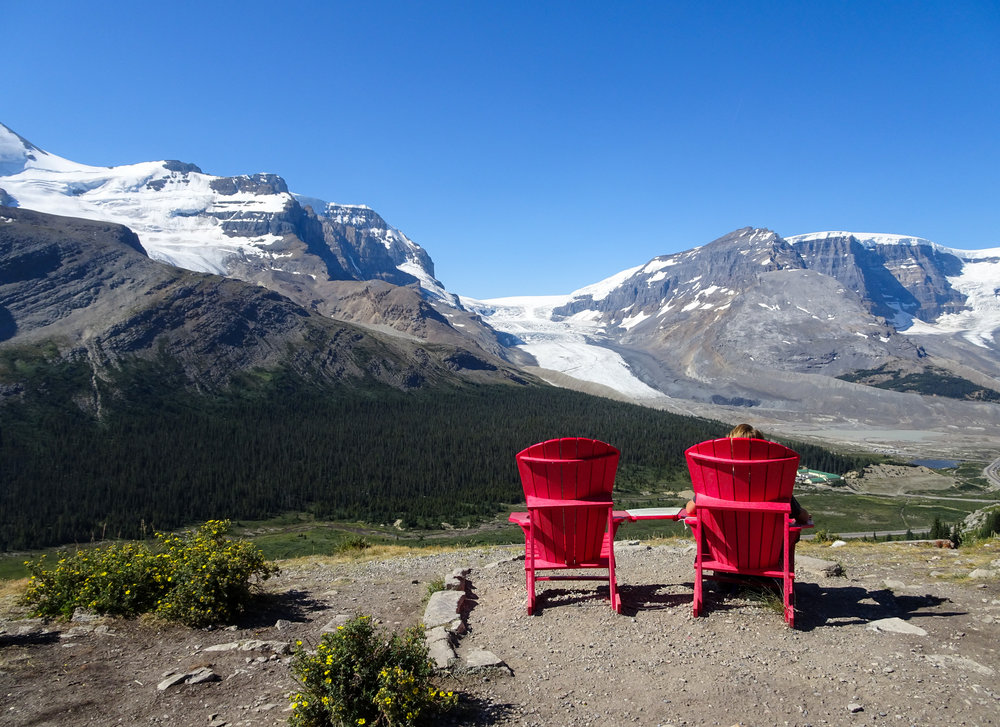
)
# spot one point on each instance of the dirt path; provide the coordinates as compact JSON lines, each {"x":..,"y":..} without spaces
{"x":573,"y":663}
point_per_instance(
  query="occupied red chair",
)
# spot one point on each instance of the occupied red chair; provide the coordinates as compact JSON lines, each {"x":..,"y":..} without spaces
{"x":742,"y":524}
{"x":570,"y":522}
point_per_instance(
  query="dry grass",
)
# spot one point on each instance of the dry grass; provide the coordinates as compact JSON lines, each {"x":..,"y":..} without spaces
{"x":374,"y":552}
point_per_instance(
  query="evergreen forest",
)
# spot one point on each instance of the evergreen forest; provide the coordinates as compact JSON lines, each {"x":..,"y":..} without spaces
{"x":147,"y":453}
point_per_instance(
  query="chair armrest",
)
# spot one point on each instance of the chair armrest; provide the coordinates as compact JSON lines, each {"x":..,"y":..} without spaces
{"x":524,"y":518}
{"x":518,"y":518}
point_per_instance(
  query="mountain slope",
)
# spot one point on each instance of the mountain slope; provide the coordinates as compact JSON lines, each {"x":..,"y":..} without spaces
{"x":88,"y":289}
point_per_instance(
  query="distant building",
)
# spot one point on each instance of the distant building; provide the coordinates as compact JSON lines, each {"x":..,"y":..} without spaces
{"x":814,"y":477}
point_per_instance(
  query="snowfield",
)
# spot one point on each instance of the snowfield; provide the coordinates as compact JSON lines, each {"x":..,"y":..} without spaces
{"x":572,"y":346}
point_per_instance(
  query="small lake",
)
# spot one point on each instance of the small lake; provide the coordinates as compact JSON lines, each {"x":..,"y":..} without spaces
{"x":937,"y":464}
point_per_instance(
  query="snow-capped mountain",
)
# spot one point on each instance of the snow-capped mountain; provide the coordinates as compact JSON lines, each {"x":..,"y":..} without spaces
{"x":213,"y":224}
{"x":756,"y":320}
{"x":330,"y":258}
{"x":88,"y":291}
{"x":920,"y":287}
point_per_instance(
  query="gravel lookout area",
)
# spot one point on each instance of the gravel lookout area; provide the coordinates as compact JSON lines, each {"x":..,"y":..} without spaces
{"x":904,"y":634}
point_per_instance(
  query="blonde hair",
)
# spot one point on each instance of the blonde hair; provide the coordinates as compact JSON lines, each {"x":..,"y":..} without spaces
{"x":745,"y":431}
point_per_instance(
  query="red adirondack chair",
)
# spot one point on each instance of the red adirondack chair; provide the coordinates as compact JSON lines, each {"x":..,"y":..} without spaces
{"x":570,"y":523}
{"x":742,"y":524}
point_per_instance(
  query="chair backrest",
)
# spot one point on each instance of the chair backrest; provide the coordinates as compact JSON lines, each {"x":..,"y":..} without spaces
{"x":743,"y":470}
{"x":571,"y":468}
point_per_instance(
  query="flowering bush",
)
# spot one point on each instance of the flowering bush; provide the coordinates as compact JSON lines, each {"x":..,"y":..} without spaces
{"x":358,"y":675}
{"x":197,"y":578}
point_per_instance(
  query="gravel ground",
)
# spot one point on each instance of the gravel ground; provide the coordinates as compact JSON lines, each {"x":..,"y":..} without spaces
{"x":573,"y":663}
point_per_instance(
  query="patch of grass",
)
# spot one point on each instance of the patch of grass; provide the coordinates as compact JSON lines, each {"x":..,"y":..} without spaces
{"x":841,"y":512}
{"x":764,"y":596}
{"x":298,"y":541}
{"x":12,"y":567}
{"x":434,"y":587}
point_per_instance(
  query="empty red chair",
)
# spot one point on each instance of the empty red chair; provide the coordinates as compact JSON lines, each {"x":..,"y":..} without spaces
{"x":570,"y":522}
{"x":742,"y":523}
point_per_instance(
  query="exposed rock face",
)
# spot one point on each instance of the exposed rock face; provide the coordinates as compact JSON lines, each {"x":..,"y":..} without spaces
{"x":367,"y":247}
{"x":896,"y":281}
{"x":696,"y":279}
{"x":56,"y":270}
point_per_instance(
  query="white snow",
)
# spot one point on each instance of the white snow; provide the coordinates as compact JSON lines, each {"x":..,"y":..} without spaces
{"x":980,"y":281}
{"x":569,"y":346}
{"x":632,"y":321}
{"x":177,"y":216}
{"x":603,"y":288}
{"x":175,"y":223}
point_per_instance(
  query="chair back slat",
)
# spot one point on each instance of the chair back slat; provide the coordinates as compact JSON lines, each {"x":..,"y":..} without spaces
{"x":569,"y":469}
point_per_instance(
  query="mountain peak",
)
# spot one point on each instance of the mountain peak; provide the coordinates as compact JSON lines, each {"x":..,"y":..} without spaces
{"x":17,"y":154}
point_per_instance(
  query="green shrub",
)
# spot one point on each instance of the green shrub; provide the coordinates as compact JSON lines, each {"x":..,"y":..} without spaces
{"x":212,"y":577}
{"x":822,"y":535}
{"x":357,"y":543}
{"x":197,"y":578}
{"x":433,"y":587}
{"x":990,"y":526}
{"x":359,"y":675}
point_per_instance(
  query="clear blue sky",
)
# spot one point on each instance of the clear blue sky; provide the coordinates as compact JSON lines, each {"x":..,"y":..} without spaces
{"x":537,"y":147}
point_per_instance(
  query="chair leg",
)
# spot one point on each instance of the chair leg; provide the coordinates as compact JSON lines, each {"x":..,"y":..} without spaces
{"x":789,"y":600}
{"x":529,"y":565}
{"x":530,"y":587}
{"x":698,"y":573}
{"x":788,"y":594}
{"x":616,"y":599}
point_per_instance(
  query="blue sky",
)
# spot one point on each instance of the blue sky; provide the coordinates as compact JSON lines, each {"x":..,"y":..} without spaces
{"x":537,"y":147}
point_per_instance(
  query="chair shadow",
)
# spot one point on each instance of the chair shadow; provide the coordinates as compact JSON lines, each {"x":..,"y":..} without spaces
{"x":557,"y":597}
{"x":816,"y":605}
{"x":650,"y":598}
{"x":831,"y":605}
